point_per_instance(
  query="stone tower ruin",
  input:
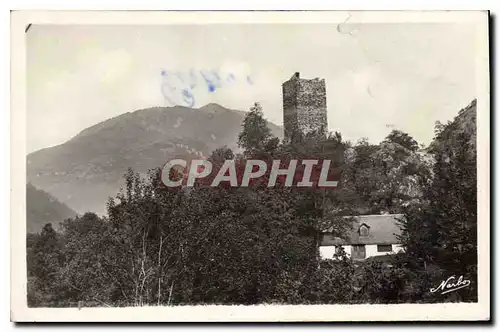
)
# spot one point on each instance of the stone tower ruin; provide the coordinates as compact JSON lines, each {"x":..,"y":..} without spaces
{"x":304,"y":106}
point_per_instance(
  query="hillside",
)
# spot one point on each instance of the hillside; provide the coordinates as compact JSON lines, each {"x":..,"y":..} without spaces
{"x":86,"y":170}
{"x":42,"y":208}
{"x":464,"y":124}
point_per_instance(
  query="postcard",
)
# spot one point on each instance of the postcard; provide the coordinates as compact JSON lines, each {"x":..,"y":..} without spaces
{"x":250,"y":166}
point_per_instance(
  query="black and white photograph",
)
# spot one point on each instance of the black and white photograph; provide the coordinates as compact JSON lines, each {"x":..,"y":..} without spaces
{"x":285,"y":166}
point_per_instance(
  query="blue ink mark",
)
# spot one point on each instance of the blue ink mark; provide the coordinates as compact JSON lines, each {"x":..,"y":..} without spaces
{"x":210,"y":81}
{"x":179,"y":76}
{"x":167,"y":90}
{"x":217,"y":77}
{"x":192,"y":76}
{"x":230,"y":78}
{"x":177,"y":87}
{"x":188,"y":97}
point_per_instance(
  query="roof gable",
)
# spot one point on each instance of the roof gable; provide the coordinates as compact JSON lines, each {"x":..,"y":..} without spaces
{"x":363,"y":228}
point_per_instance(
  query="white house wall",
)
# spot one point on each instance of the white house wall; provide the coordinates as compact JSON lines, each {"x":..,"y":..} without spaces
{"x":327,"y":252}
{"x":371,"y":250}
{"x":397,"y":248}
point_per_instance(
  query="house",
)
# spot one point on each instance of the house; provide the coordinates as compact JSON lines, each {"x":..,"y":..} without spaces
{"x":371,"y":235}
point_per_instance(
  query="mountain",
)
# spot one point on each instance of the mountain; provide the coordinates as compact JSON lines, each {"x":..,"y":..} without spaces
{"x":42,"y":208}
{"x":464,"y":124}
{"x":84,"y":171}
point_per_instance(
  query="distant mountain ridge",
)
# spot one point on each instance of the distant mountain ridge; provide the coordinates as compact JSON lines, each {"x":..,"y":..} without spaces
{"x":84,"y":171}
{"x":42,"y":208}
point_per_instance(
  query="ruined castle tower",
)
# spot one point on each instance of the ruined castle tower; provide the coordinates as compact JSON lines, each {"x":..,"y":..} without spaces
{"x":304,"y":106}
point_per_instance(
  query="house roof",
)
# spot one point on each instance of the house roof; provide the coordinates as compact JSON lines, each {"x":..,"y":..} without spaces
{"x":383,"y":229}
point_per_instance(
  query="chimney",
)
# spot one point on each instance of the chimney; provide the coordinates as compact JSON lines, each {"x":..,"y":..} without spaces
{"x":296,"y":75}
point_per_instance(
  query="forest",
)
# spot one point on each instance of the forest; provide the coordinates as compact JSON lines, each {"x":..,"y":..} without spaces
{"x":257,"y":244}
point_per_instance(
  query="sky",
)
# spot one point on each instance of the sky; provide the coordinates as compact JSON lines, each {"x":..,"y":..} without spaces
{"x":378,"y":76}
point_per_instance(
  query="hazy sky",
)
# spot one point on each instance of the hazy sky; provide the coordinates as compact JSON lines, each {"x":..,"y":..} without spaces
{"x":377,"y":75}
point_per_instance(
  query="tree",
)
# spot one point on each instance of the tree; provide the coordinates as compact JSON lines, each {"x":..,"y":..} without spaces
{"x":386,"y":178}
{"x":256,"y":135}
{"x":396,"y":279}
{"x":220,"y":155}
{"x":442,"y":230}
{"x":403,"y":139}
{"x":43,"y":261}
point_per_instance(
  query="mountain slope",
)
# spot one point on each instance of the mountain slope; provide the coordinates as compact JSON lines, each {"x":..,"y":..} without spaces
{"x":42,"y":208}
{"x":86,"y":170}
{"x":464,"y":124}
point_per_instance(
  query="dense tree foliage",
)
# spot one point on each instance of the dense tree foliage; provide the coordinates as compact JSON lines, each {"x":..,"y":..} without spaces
{"x":441,"y":231}
{"x":403,"y":139}
{"x":42,"y":208}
